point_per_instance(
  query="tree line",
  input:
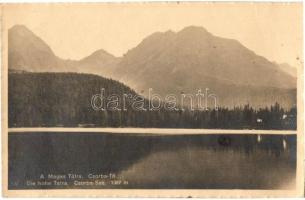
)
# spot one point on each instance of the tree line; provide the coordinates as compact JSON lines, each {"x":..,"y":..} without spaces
{"x":63,"y":99}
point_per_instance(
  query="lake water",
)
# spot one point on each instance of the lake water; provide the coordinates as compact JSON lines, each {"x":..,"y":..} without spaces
{"x":114,"y":160}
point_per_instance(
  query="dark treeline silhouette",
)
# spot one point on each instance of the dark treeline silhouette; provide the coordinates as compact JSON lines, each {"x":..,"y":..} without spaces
{"x":64,"y":99}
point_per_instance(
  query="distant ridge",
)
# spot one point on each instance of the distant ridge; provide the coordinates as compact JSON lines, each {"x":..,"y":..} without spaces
{"x":171,"y":62}
{"x":288,"y":69}
{"x":30,"y":53}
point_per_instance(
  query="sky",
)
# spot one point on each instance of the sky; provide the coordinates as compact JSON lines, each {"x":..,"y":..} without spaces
{"x":74,"y":31}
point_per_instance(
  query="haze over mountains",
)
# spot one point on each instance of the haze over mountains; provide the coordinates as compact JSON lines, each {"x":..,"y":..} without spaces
{"x":288,"y":69}
{"x":27,"y":52}
{"x":171,"y":63}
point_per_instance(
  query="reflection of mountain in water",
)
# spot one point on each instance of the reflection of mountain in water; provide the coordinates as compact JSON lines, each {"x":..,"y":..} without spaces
{"x":154,"y":161}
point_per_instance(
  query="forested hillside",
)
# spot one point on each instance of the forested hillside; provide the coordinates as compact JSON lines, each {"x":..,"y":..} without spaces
{"x":64,"y":99}
{"x":58,"y":99}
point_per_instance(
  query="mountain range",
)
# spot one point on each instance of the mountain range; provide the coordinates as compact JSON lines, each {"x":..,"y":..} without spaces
{"x":171,"y":63}
{"x":27,"y":52}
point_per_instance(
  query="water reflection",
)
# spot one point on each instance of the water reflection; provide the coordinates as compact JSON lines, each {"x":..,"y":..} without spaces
{"x":155,"y":161}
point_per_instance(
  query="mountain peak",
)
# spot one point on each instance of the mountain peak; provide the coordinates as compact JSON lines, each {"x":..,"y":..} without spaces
{"x":19,"y":26}
{"x":194,"y":29}
{"x":99,"y":55}
{"x":189,"y":32}
{"x":27,"y":49}
{"x":22,"y":37}
{"x":101,"y":52}
{"x":20,"y":29}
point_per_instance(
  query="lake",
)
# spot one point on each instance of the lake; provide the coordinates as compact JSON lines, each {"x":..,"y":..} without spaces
{"x":146,"y":161}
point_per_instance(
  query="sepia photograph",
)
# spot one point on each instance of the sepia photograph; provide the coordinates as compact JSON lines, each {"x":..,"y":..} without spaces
{"x":174,"y":99}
